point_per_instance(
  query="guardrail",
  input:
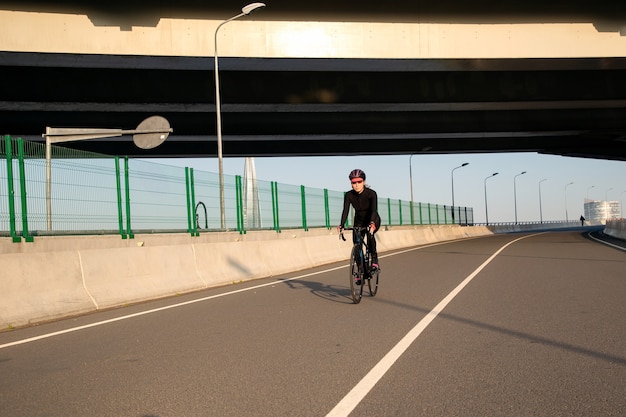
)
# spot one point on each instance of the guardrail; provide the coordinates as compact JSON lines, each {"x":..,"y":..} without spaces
{"x":95,"y":194}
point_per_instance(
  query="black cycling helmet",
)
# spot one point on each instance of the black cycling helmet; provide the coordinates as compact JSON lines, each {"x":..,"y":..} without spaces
{"x":357,"y":173}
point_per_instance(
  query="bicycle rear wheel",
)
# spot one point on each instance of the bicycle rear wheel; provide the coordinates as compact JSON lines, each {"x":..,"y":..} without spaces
{"x":372,"y":283}
{"x":356,"y":274}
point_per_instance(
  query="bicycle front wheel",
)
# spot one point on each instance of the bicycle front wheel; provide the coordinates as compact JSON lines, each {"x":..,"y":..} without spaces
{"x":356,"y":274}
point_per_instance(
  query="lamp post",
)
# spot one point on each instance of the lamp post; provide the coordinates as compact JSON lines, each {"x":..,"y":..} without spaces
{"x":515,"y":193}
{"x":566,"y":216}
{"x":589,"y":188}
{"x":424,"y":149}
{"x":485,"y":185}
{"x":411,"y":177}
{"x":540,"y":212}
{"x":244,"y":11}
{"x":452,"y":175}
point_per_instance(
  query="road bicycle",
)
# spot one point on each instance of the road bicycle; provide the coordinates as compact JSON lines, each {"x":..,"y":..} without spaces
{"x":361,"y":265}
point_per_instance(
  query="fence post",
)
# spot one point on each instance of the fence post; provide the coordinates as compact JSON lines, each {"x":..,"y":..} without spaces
{"x":190,"y":194}
{"x":275,"y":206}
{"x":127,"y":185}
{"x":326,"y":208}
{"x":411,"y":213}
{"x":389,"y":211}
{"x":303,"y":200}
{"x":118,"y":186}
{"x":20,"y":154}
{"x":190,"y":213}
{"x":239,"y":204}
{"x":445,"y":215}
{"x":11,"y":190}
{"x":400,"y":210}
{"x":192,"y":189}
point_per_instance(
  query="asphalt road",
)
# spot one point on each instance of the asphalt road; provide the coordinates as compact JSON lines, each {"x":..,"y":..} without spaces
{"x":507,"y":325}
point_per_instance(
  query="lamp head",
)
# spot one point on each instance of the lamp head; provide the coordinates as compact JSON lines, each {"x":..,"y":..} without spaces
{"x":252,"y":7}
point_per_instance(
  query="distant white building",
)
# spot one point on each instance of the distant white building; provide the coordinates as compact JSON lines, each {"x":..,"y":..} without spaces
{"x":599,"y":211}
{"x":251,"y":206}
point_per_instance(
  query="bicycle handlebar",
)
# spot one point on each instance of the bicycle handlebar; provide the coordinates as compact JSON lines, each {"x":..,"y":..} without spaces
{"x":355,"y":228}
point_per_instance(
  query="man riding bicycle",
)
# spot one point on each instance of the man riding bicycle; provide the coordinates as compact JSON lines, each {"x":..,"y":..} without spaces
{"x":365,"y":203}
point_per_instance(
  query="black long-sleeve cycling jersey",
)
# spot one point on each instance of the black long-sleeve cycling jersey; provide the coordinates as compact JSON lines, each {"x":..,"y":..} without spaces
{"x":365,"y":208}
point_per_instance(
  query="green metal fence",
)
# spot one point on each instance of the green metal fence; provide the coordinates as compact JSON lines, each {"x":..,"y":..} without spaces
{"x":78,"y":192}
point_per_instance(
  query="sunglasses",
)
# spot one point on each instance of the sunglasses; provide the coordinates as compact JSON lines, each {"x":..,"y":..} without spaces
{"x":357,"y":182}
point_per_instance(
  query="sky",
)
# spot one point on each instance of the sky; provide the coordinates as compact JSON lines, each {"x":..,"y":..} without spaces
{"x":568,"y":180}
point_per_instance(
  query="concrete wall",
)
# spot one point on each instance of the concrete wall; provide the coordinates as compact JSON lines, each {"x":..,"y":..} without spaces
{"x":75,"y":32}
{"x":55,"y":277}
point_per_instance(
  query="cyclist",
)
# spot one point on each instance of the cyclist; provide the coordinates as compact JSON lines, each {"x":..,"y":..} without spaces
{"x":365,"y":203}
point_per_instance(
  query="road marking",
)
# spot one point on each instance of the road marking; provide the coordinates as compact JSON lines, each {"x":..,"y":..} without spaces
{"x":360,"y":390}
{"x":155,"y":310}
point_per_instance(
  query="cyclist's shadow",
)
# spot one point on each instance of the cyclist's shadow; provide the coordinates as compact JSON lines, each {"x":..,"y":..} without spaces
{"x":335,"y":293}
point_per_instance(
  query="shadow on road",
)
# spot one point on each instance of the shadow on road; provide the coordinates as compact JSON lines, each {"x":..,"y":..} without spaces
{"x":335,"y":293}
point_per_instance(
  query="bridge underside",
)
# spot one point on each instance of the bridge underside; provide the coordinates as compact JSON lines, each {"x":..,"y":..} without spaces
{"x":280,"y":107}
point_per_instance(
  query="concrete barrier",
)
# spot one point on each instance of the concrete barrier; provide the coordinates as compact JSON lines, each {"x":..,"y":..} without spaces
{"x":55,"y":277}
{"x":122,"y":275}
{"x":616,"y":228}
{"x":41,"y":286}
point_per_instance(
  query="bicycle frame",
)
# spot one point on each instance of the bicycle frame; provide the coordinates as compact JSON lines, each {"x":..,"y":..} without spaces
{"x":361,"y":259}
{"x":359,"y":240}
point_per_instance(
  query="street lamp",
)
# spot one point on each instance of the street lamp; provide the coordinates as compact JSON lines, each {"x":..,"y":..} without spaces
{"x":540,"y":212}
{"x":150,"y":133}
{"x":566,"y":216}
{"x":485,"y":185}
{"x":244,"y":11}
{"x":425,"y":149}
{"x":411,"y":177}
{"x":452,"y":175}
{"x":589,"y":188}
{"x":411,"y":185}
{"x":515,"y":193}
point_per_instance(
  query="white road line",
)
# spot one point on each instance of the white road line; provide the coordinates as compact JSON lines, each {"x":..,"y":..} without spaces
{"x":143,"y":313}
{"x":356,"y":395}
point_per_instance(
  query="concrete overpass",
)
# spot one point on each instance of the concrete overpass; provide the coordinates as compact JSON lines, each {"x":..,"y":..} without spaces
{"x":323,"y":78}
